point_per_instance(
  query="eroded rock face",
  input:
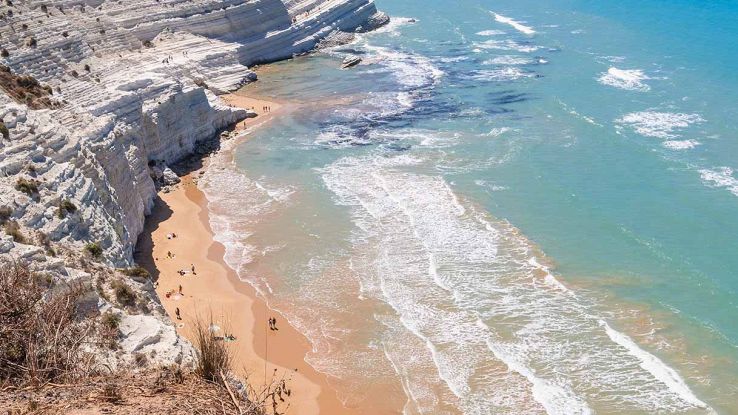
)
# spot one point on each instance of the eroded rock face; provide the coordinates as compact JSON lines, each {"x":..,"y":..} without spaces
{"x":137,"y":82}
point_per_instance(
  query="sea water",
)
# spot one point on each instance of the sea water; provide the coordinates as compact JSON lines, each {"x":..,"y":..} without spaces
{"x":508,"y":207}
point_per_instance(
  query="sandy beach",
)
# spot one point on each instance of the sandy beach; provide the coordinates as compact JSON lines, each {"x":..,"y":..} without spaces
{"x":260,"y":354}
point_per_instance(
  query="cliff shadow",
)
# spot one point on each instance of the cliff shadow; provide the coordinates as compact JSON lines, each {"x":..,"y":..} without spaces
{"x":144,"y":253}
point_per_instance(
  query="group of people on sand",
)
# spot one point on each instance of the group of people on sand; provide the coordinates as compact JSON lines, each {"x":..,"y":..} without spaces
{"x":273,"y":324}
{"x":266,"y":108}
{"x":184,"y":272}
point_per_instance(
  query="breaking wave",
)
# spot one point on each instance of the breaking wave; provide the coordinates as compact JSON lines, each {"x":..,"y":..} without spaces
{"x":507,"y":44}
{"x":659,"y":124}
{"x":721,"y":177}
{"x":629,"y":79}
{"x":514,"y":23}
{"x":503,"y":333}
{"x":680,"y":144}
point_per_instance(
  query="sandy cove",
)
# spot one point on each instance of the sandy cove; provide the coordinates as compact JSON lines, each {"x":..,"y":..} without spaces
{"x":216,"y":290}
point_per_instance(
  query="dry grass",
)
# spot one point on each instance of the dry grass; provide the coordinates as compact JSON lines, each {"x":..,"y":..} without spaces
{"x":214,"y":365}
{"x":40,"y":338}
{"x":43,"y":369}
{"x":167,"y":390}
{"x":214,"y":358}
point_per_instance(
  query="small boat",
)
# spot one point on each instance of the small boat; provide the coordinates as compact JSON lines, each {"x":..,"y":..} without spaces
{"x":350,"y":62}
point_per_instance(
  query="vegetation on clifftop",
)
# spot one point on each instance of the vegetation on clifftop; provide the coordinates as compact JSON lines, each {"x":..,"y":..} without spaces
{"x":26,"y":89}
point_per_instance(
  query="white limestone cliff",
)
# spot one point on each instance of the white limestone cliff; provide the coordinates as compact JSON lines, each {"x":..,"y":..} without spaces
{"x":137,"y":81}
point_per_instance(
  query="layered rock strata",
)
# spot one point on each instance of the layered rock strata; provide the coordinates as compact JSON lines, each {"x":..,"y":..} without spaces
{"x":134,"y":86}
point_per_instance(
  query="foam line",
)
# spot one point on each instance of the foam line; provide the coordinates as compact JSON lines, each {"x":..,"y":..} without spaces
{"x":515,"y":24}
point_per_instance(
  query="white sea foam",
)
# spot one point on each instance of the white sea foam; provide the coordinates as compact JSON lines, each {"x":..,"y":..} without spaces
{"x":655,"y":366}
{"x":514,"y":23}
{"x":490,"y":33}
{"x":490,"y":186}
{"x":504,"y":334}
{"x":496,"y":132}
{"x":680,"y":144}
{"x":721,"y":177}
{"x":659,"y":124}
{"x":629,"y":79}
{"x":453,"y":59}
{"x":508,"y":60}
{"x":412,"y":71}
{"x":499,"y":75}
{"x":394,"y":26}
{"x":506,"y":44}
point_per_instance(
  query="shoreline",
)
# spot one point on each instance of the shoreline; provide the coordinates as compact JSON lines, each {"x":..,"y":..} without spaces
{"x":260,"y":355}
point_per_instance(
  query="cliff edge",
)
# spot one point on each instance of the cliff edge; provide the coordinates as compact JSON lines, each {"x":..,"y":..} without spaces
{"x":97,"y":97}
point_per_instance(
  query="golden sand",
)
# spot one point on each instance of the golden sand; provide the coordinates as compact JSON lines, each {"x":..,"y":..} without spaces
{"x":214,"y":290}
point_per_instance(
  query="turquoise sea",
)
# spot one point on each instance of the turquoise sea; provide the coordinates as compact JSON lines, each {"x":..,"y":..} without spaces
{"x":509,"y":207}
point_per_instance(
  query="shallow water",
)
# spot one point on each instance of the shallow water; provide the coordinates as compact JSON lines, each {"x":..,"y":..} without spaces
{"x":508,"y":207}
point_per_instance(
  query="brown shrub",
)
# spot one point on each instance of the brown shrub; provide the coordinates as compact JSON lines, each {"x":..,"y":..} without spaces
{"x":5,"y":213}
{"x":123,"y":293}
{"x":40,"y":339}
{"x":136,"y":272}
{"x":29,"y":187}
{"x":65,"y":206}
{"x":12,"y":228}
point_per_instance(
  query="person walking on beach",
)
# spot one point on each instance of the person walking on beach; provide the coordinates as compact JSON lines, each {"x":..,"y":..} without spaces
{"x":176,"y":312}
{"x":193,"y":269}
{"x":180,"y":289}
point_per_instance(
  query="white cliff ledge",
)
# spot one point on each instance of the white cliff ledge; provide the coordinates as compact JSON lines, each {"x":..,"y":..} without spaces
{"x":137,"y":83}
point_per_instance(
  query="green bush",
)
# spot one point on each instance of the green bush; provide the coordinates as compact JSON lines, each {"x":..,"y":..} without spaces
{"x":94,"y":249}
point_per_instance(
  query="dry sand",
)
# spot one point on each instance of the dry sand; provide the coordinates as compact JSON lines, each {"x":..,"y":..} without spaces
{"x":216,"y":291}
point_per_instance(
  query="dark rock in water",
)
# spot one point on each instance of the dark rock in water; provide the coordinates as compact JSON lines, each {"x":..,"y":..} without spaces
{"x":376,"y":21}
{"x":399,"y":147}
{"x":350,"y":51}
{"x":350,"y":62}
{"x":335,"y":38}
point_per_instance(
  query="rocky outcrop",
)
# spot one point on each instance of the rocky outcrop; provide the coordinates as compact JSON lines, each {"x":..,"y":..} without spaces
{"x":134,"y":88}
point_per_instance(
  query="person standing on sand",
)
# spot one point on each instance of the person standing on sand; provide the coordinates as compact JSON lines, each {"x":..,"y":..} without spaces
{"x":180,"y":289}
{"x":176,"y":312}
{"x":193,"y":269}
